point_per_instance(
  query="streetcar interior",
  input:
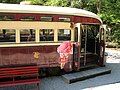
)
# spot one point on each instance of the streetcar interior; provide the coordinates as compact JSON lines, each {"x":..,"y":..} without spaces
{"x":90,"y":44}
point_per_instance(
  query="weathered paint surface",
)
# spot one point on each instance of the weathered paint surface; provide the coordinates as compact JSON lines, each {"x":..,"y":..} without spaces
{"x":44,"y":56}
{"x":75,"y":19}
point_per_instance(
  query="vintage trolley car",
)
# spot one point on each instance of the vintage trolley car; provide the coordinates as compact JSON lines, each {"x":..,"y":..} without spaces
{"x":31,"y":34}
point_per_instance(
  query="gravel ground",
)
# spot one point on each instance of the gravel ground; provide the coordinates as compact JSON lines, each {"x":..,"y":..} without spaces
{"x":108,"y":81}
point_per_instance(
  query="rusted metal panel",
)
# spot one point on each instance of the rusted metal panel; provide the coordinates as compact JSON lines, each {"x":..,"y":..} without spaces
{"x":44,"y":56}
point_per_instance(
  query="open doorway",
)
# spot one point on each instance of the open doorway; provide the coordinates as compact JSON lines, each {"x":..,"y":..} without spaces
{"x":89,"y":45}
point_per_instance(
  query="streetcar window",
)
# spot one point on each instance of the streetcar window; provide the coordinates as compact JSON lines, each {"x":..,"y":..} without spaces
{"x":46,"y":18}
{"x":27,"y":35}
{"x":27,"y":18}
{"x":64,"y":34}
{"x":46,"y":35}
{"x":7,"y":35}
{"x":64,"y":19}
{"x":6,"y":18}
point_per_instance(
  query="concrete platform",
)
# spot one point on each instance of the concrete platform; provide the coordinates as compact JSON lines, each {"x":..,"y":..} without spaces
{"x":82,"y":75}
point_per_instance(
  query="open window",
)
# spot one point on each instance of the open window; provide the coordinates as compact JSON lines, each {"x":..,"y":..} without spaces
{"x":46,"y":35}
{"x":27,"y":35}
{"x":64,"y":34}
{"x":7,"y":35}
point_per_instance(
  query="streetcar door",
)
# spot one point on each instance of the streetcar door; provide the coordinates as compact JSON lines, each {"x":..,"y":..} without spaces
{"x":76,"y":48}
{"x":89,"y":52}
{"x":102,"y":45}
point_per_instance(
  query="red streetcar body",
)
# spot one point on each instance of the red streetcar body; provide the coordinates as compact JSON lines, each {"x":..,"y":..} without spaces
{"x":75,"y":19}
{"x":44,"y":56}
{"x":30,"y":41}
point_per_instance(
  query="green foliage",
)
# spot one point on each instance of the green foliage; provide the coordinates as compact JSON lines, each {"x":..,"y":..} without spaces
{"x":90,"y":5}
{"x":110,"y":15}
{"x":75,"y":4}
{"x":37,"y":2}
{"x":115,"y":33}
{"x":61,"y":3}
{"x":10,"y":1}
{"x":110,"y":11}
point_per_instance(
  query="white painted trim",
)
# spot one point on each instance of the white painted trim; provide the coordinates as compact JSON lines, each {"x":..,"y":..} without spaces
{"x":72,"y":34}
{"x":17,"y":35}
{"x":55,"y":35}
{"x":37,"y":35}
{"x":29,"y":44}
{"x":78,"y":25}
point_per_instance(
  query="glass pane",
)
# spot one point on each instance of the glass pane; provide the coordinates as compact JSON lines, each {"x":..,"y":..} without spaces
{"x":64,"y":19}
{"x":46,"y":35}
{"x":27,"y":35}
{"x":46,"y":18}
{"x":7,"y":35}
{"x":27,"y":18}
{"x":6,"y":17}
{"x":64,"y":34}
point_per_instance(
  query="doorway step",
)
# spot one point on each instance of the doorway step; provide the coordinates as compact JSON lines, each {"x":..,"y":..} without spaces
{"x":82,"y":75}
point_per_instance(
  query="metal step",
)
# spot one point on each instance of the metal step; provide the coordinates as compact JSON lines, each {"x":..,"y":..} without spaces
{"x":79,"y":76}
{"x":87,"y":67}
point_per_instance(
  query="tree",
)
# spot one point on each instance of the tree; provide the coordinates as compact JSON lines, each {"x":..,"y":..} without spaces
{"x":10,"y":1}
{"x":62,"y":3}
{"x":110,"y":16}
{"x":38,"y":2}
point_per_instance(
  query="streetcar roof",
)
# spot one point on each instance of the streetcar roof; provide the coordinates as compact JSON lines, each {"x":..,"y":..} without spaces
{"x":18,"y":8}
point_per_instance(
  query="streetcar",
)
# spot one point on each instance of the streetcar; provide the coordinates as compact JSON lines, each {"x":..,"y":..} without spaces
{"x":32,"y":34}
